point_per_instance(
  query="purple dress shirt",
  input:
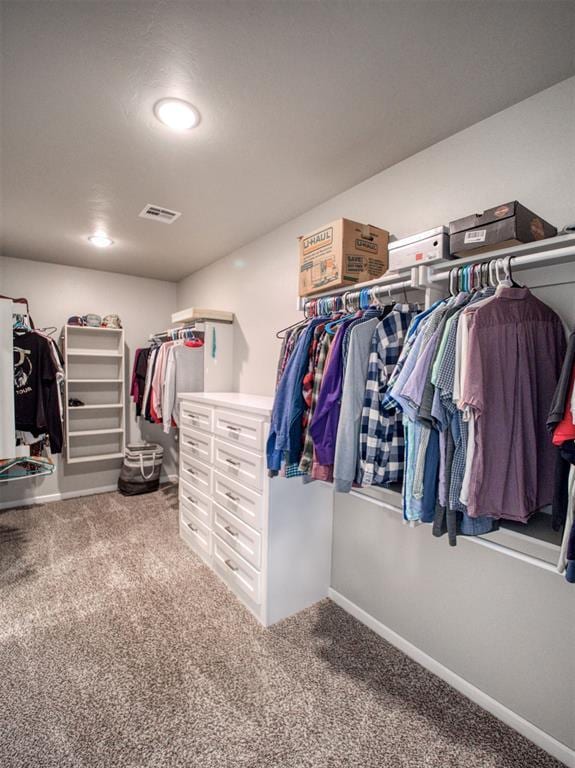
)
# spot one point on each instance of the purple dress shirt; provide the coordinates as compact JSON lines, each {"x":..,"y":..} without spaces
{"x":516,"y":347}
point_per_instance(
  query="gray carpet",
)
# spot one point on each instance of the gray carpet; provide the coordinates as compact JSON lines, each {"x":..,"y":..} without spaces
{"x":119,"y":649}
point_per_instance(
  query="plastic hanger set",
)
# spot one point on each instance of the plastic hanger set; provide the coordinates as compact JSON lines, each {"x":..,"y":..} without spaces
{"x":472,"y":277}
{"x":346,"y":303}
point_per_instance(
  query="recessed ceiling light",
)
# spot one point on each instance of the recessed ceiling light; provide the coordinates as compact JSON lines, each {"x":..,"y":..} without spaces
{"x":177,"y":114}
{"x":101,"y":241}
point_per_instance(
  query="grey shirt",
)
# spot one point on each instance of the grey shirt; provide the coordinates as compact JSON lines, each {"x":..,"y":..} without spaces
{"x":346,"y":448}
{"x":557,"y":409}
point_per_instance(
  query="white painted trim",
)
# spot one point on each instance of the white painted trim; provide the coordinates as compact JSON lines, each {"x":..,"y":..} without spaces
{"x":173,"y":478}
{"x":473,"y":540}
{"x":551,"y":745}
{"x":30,"y":501}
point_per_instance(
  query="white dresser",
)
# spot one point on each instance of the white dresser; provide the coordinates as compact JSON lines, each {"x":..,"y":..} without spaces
{"x":268,"y":539}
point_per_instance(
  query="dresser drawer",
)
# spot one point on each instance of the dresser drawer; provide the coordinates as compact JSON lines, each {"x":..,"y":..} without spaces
{"x":196,"y":444}
{"x":243,"y":502}
{"x":196,"y":416}
{"x":196,"y":534}
{"x":242,"y":538}
{"x":240,"y":575}
{"x":196,"y":502}
{"x":241,"y":465}
{"x":196,"y":474}
{"x":246,"y":431}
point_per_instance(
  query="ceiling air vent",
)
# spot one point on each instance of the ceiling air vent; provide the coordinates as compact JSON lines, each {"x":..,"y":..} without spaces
{"x":157,"y":213}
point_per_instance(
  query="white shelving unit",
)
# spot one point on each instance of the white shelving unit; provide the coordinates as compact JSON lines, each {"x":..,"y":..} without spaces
{"x":94,"y":360}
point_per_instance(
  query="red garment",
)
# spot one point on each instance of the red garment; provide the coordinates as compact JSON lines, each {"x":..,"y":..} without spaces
{"x":565,"y":430}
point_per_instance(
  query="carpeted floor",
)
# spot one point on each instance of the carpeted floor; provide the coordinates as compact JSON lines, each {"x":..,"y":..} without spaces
{"x":119,"y":649}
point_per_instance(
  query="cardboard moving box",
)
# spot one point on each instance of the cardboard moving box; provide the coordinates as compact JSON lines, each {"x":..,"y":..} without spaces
{"x":499,"y":227}
{"x":339,"y":254}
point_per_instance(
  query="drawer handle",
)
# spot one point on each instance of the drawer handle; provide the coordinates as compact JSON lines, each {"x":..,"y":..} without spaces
{"x":231,"y":566}
{"x":191,"y":443}
{"x":233,"y":463}
{"x":233,"y":429}
{"x":230,"y":530}
{"x":231,"y":496}
{"x":190,"y":472}
{"x":193,"y":417}
{"x":190,"y":498}
{"x":191,"y":527}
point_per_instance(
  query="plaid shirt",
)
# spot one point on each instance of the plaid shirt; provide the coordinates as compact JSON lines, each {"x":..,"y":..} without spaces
{"x":288,"y":344}
{"x":320,"y":356}
{"x":381,"y":442}
{"x":293,"y":470}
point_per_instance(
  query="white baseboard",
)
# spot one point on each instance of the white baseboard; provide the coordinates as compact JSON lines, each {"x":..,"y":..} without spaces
{"x":46,"y":499}
{"x":555,"y":748}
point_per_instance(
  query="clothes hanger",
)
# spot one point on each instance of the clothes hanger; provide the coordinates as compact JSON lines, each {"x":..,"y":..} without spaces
{"x":504,"y":280}
{"x":22,"y":323}
{"x":281,"y":333}
{"x":507,"y":268}
{"x":485,"y":274}
{"x":453,"y":281}
{"x":24,"y":466}
{"x":478,"y":276}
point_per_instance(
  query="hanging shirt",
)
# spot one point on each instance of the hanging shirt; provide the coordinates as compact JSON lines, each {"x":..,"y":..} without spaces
{"x":158,"y":379}
{"x":516,"y":347}
{"x":565,"y":430}
{"x":561,"y":394}
{"x":381,"y":432}
{"x":458,"y":430}
{"x":323,"y":427}
{"x":152,"y":355}
{"x":184,"y":372}
{"x":35,"y":389}
{"x":285,"y":435}
{"x":355,"y":378}
{"x":318,"y":365}
{"x":139,"y":378}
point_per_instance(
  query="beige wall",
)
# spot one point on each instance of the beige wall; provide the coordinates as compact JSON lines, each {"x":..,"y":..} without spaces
{"x":506,"y":633}
{"x":525,"y":152}
{"x":55,"y":292}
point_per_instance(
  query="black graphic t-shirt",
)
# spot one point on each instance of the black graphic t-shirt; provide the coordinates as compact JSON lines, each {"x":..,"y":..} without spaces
{"x":35,"y":388}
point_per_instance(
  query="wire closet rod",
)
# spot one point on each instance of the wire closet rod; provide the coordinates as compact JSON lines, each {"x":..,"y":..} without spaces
{"x":473,"y":540}
{"x":172,"y":333}
{"x":347,"y":299}
{"x":518,"y":261}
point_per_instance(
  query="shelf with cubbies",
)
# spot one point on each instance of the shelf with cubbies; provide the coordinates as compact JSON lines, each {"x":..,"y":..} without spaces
{"x":95,"y":430}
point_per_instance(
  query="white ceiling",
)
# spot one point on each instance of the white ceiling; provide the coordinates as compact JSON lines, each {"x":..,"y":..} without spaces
{"x":299,"y":101}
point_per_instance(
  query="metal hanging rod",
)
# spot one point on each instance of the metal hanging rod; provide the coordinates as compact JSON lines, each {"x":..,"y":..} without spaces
{"x":353,"y":299}
{"x":387,"y":284}
{"x":557,"y":250}
{"x":172,"y":333}
{"x":544,"y":253}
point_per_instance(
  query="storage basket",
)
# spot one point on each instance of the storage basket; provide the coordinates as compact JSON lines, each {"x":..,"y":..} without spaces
{"x":141,"y":469}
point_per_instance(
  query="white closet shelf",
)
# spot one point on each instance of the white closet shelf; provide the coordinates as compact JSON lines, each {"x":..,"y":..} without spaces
{"x":95,"y":457}
{"x":86,"y":432}
{"x":93,"y":353}
{"x":83,"y":349}
{"x":95,"y":381}
{"x":541,"y":253}
{"x":95,"y":407}
{"x":93,"y":329}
